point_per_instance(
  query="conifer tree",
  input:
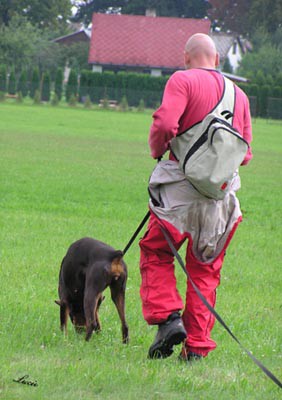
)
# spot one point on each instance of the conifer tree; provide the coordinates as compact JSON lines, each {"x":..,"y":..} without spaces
{"x":71,"y":89}
{"x":12,"y":86}
{"x":22,"y":84}
{"x":35,"y":82}
{"x":46,"y":87}
{"x":3,"y":79}
{"x":59,"y":83}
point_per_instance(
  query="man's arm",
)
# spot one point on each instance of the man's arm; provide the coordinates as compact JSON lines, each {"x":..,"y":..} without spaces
{"x":166,"y":118}
{"x":247,"y":131}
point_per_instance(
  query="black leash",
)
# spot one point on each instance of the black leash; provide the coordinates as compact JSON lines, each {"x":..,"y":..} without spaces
{"x":212,"y":310}
{"x":204,"y":300}
{"x":143,"y":222}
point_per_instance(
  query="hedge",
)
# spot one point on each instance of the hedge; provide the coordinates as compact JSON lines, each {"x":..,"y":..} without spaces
{"x":135,"y":87}
{"x":3,"y":78}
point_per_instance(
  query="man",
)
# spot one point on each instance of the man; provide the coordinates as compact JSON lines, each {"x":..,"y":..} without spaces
{"x":208,"y":224}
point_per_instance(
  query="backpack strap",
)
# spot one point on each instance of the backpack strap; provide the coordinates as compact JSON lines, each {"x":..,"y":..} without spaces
{"x":225,"y":106}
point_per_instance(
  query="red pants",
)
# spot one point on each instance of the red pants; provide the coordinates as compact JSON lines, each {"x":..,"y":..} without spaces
{"x":158,"y":290}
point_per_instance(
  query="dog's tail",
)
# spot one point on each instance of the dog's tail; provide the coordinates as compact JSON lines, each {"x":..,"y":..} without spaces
{"x":118,"y":267}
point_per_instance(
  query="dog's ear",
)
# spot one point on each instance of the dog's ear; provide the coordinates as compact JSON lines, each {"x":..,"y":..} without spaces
{"x":58,"y":302}
{"x":117,"y":255}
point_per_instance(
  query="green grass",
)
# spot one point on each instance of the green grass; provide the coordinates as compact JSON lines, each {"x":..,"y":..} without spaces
{"x":70,"y":172}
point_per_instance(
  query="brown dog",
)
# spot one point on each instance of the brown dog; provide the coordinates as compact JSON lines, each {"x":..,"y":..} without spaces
{"x":88,"y":268}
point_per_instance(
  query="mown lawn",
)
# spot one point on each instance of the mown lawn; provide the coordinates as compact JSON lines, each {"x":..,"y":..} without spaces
{"x":71,"y":172}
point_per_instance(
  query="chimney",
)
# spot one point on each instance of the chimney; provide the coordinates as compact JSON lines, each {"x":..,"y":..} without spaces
{"x":151,"y":12}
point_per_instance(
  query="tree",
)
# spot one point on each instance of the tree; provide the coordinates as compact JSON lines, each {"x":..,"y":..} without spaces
{"x":3,"y":78}
{"x":59,"y":83}
{"x":267,"y":54}
{"x":76,"y":55}
{"x":35,"y":82}
{"x":23,"y":44}
{"x":44,"y":14}
{"x":8,"y":9}
{"x":85,"y":8}
{"x":22,"y":84}
{"x":229,"y":15}
{"x":171,"y":8}
{"x":71,"y":89}
{"x":245,"y":16}
{"x":12,"y":85}
{"x":46,"y":86}
{"x":268,"y":58}
{"x":266,"y":14}
{"x":227,"y":67}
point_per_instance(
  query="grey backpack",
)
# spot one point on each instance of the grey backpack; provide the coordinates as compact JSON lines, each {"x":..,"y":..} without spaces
{"x":211,"y":151}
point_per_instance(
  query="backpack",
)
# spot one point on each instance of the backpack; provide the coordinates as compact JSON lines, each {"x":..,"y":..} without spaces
{"x":211,"y":151}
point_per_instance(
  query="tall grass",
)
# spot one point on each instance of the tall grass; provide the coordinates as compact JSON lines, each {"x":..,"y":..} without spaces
{"x":71,"y":172}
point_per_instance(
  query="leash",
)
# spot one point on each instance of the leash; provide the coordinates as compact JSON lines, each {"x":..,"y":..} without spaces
{"x":217,"y":316}
{"x":204,"y":300}
{"x":142,"y":223}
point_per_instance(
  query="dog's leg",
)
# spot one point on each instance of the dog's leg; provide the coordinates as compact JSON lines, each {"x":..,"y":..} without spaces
{"x":64,"y":315}
{"x":118,"y":297}
{"x":90,"y":308}
{"x":98,"y":323}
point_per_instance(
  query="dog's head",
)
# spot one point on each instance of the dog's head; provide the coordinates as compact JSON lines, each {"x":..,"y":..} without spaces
{"x":76,"y":314}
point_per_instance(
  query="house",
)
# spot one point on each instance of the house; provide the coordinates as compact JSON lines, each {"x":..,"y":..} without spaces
{"x":79,"y":35}
{"x":232,"y":47}
{"x":137,"y":43}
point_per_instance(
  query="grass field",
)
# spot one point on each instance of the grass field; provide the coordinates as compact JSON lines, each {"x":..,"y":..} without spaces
{"x":68,"y":173}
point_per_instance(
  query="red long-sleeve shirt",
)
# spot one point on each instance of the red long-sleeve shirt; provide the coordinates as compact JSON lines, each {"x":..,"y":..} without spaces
{"x":188,"y":97}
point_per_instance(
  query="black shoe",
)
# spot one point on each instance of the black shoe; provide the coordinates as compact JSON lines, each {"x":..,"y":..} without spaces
{"x":170,"y":333}
{"x":190,"y":356}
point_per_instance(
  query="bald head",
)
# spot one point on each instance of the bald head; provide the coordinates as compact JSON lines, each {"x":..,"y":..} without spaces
{"x":200,"y":52}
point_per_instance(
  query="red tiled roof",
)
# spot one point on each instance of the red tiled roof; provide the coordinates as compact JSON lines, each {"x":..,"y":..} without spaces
{"x":134,"y":40}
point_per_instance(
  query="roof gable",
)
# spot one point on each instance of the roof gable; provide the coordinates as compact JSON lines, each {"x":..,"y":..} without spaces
{"x":223,"y":43}
{"x":155,"y":42}
{"x":83,"y":35}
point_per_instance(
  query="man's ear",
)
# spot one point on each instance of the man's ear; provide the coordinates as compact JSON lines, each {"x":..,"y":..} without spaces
{"x":217,"y":60}
{"x":186,"y":60}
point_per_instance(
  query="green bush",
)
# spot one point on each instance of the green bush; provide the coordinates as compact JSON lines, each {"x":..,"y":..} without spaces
{"x":105,"y":103}
{"x":72,"y":100}
{"x":123,"y":106}
{"x":260,"y":78}
{"x":96,"y":90}
{"x":115,"y":86}
{"x":277,"y":92}
{"x":59,"y":83}
{"x":37,"y":97}
{"x":3,"y":78}
{"x":72,"y":86}
{"x":23,"y":84}
{"x":46,"y":87}
{"x":55,"y":100}
{"x":83,"y":86}
{"x":12,"y":86}
{"x":19,"y":97}
{"x":2,"y":96}
{"x":87,"y":102}
{"x":278,"y":80}
{"x":35,"y":83}
{"x":141,"y":105}
{"x":264,"y":93}
{"x":253,"y":89}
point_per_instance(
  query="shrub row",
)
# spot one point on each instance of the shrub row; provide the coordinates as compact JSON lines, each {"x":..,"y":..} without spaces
{"x":260,"y":99}
{"x":133,"y":87}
